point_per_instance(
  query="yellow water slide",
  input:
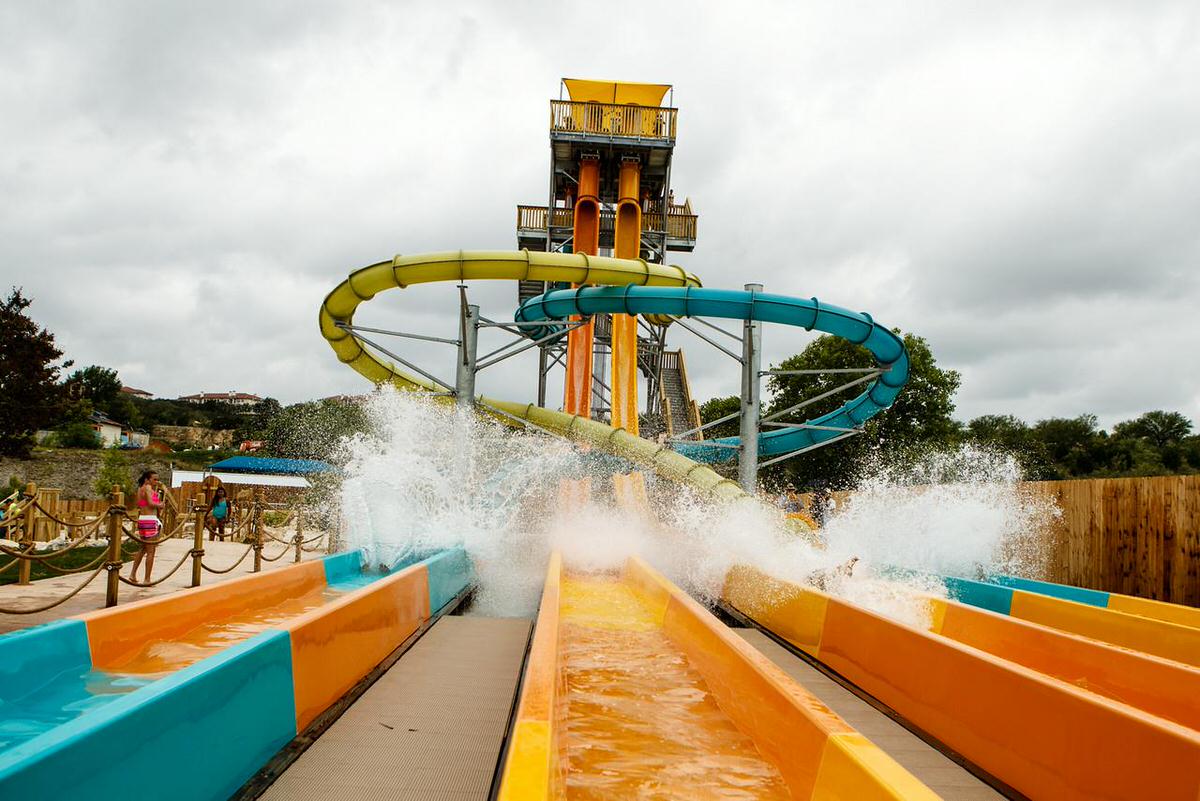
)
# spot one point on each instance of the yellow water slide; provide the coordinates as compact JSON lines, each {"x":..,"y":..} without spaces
{"x":362,"y":285}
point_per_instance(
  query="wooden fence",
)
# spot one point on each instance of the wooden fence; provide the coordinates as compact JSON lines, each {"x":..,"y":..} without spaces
{"x":179,"y":501}
{"x":1137,"y":536}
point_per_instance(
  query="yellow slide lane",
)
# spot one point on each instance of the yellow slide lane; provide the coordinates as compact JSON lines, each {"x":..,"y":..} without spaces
{"x":634,"y":690}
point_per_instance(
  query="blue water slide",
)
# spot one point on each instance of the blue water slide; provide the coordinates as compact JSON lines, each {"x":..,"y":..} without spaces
{"x":810,"y":314}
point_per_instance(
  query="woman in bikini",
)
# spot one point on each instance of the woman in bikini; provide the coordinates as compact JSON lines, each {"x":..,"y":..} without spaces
{"x":218,"y":515}
{"x":149,"y":501}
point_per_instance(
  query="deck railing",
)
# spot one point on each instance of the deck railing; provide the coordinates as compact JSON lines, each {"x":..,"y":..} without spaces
{"x":679,"y":226}
{"x":611,"y":119}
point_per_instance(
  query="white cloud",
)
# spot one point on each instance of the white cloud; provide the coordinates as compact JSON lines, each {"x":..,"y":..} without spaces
{"x":1018,"y":183}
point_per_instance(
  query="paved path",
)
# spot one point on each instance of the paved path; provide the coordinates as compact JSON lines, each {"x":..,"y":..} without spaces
{"x":429,"y":730}
{"x":218,"y":555}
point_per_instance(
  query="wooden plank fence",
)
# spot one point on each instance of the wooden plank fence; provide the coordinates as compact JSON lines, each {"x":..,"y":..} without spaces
{"x":1137,"y":536}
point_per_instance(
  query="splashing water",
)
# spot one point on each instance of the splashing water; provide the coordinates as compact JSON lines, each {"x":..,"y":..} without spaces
{"x":430,"y":476}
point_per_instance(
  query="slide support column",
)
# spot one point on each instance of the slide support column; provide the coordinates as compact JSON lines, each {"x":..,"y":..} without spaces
{"x":468,"y":349}
{"x":751,"y":367}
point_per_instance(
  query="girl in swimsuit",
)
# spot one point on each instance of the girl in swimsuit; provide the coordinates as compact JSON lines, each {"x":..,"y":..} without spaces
{"x":218,"y":515}
{"x":149,"y":501}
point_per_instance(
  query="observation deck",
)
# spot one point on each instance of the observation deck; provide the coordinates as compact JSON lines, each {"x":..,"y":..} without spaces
{"x":678,"y":233}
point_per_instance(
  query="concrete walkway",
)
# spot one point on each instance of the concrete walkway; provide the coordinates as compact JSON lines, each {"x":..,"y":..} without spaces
{"x":218,"y":555}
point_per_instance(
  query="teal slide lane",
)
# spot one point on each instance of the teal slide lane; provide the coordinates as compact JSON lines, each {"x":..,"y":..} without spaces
{"x":196,"y":734}
{"x":980,"y":594}
{"x":1079,"y":595}
{"x":450,"y":572}
{"x":810,"y":314}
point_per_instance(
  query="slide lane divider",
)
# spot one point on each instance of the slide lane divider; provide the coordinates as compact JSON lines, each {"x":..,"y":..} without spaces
{"x":1144,"y":607}
{"x":818,"y":754}
{"x":209,"y":727}
{"x":1174,"y":641}
{"x":1044,"y":737}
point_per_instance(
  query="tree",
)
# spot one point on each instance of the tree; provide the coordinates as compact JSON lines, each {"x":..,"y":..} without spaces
{"x":1158,"y":428}
{"x":921,"y":418}
{"x":114,"y":471}
{"x":313,"y":430}
{"x":76,"y":434}
{"x":255,"y":425}
{"x":100,"y":385}
{"x":30,"y":395}
{"x":715,"y":409}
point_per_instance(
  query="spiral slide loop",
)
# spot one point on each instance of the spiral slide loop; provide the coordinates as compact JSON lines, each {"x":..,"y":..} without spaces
{"x":807,"y":313}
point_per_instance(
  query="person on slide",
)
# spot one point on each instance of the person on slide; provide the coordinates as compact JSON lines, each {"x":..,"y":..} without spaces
{"x":149,"y":501}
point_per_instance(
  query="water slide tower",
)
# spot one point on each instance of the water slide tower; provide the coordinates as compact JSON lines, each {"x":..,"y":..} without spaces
{"x":610,"y":194}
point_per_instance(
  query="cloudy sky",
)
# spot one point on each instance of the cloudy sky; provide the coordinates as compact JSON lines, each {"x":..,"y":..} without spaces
{"x":1018,"y":182}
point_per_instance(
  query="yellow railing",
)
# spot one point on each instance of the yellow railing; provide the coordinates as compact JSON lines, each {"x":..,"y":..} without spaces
{"x":610,"y":119}
{"x":533,"y":218}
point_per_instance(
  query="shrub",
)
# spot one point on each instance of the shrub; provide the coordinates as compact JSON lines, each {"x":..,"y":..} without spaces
{"x":77,"y":434}
{"x":114,"y":471}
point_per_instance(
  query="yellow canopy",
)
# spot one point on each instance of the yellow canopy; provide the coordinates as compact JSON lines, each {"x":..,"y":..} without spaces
{"x":641,"y":94}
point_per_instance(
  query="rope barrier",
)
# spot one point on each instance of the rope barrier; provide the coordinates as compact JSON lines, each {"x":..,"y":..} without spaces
{"x":72,"y":594}
{"x":186,"y":555}
{"x":32,"y":557}
{"x":229,"y":569}
{"x":277,"y":557}
{"x":64,"y":571}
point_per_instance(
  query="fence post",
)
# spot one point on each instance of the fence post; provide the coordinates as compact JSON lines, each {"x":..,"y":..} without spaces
{"x":198,"y":544}
{"x":29,"y":524}
{"x":116,"y":511}
{"x":259,"y":500}
{"x":299,"y":531}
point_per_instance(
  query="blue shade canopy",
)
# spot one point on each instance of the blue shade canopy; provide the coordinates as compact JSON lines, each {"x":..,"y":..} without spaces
{"x":263,"y":464}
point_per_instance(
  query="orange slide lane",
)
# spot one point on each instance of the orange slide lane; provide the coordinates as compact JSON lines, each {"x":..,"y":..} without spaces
{"x":159,"y":635}
{"x":1159,"y":686}
{"x":1044,"y":737}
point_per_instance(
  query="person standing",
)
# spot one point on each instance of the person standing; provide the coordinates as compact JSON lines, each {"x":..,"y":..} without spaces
{"x":149,"y":501}
{"x":217,"y":515}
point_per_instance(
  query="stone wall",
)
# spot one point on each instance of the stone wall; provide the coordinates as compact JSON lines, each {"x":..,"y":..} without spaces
{"x":74,"y":471}
{"x":193,"y":436}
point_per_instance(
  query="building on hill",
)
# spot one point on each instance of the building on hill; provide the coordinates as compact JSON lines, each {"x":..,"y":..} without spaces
{"x":114,"y":434}
{"x":134,"y":392}
{"x":108,"y":430}
{"x":233,"y":398}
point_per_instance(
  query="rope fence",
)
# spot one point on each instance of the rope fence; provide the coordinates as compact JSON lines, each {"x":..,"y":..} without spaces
{"x":118,"y":527}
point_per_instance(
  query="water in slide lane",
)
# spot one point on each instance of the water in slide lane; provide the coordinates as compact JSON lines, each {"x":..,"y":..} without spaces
{"x":637,"y":715}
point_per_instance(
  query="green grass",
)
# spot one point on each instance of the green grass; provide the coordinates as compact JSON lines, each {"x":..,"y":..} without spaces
{"x":75,"y":558}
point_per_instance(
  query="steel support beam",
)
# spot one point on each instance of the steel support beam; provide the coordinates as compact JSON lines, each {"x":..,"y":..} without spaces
{"x":464,"y":378}
{"x":751,"y":368}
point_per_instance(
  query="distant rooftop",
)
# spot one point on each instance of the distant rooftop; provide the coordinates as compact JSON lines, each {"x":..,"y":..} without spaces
{"x":138,"y":393}
{"x":224,"y":397}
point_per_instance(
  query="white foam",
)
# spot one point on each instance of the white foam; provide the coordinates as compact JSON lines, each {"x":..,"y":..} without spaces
{"x":431,"y":476}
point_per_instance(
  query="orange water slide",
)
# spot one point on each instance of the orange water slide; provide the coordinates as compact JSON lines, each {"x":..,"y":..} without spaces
{"x":577,"y":394}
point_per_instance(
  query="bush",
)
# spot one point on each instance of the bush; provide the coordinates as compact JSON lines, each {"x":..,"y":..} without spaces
{"x":77,"y":434}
